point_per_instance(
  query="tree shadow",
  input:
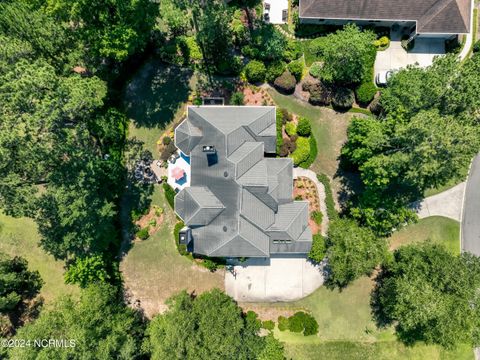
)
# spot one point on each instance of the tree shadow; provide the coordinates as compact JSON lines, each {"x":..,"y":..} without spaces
{"x":156,"y":93}
{"x":351,"y":185}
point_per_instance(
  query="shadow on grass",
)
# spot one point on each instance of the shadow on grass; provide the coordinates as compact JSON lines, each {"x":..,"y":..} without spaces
{"x":155,"y":94}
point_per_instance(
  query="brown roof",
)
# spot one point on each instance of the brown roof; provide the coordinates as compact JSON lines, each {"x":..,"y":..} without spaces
{"x":432,"y":16}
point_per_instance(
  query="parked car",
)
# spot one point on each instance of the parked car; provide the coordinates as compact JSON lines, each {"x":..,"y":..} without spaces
{"x":382,"y":77}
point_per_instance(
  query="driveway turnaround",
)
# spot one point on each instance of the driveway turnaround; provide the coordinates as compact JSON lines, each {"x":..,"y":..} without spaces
{"x":285,"y":278}
{"x":447,"y":204}
{"x":471,"y":211}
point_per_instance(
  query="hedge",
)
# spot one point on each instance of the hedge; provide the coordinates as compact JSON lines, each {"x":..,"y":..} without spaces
{"x":182,"y":249}
{"x":313,"y":153}
{"x":279,"y":120}
{"x":319,"y":249}
{"x":329,"y":202}
{"x":169,"y":194}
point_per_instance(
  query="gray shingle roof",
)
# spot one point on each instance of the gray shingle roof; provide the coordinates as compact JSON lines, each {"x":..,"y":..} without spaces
{"x":432,"y":16}
{"x":235,"y":194}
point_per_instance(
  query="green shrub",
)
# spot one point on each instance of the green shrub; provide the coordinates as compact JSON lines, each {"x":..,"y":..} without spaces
{"x":169,"y":194}
{"x":290,"y":128}
{"x":279,"y":120}
{"x":166,"y":140}
{"x":317,"y":46}
{"x":375,"y":106}
{"x":316,"y":69}
{"x":143,"y":234}
{"x":295,"y":322}
{"x":274,"y":70}
{"x":210,"y":265}
{"x":304,"y":128}
{"x":318,"y":251}
{"x":238,"y":98}
{"x":229,"y":66}
{"x":302,"y":151}
{"x":282,"y":323}
{"x":292,"y":51}
{"x":190,"y":50}
{"x":329,"y":202}
{"x":312,"y":155}
{"x":476,"y":47}
{"x":310,"y":325}
{"x":316,"y":216}
{"x":296,"y":69}
{"x":285,"y":83}
{"x":384,"y":41}
{"x":319,"y":93}
{"x":152,"y":222}
{"x":268,"y":325}
{"x":255,"y":71}
{"x":343,"y":98}
{"x":159,"y":211}
{"x":366,"y":92}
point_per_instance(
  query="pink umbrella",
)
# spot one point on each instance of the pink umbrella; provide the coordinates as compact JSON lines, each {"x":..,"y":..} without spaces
{"x":178,"y":173}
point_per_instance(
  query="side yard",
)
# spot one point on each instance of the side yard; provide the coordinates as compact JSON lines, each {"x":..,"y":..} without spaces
{"x":19,"y":237}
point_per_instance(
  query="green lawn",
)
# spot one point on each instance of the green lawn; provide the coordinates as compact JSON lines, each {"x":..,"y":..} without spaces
{"x":153,"y":270}
{"x":19,"y":237}
{"x":437,"y":229}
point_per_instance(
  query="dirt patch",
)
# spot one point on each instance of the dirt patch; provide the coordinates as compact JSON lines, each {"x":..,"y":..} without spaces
{"x":154,"y":220}
{"x":267,"y":312}
{"x":305,"y":189}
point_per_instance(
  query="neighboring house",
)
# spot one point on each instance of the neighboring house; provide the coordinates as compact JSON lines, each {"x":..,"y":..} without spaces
{"x":239,"y":203}
{"x":275,"y":11}
{"x":425,"y":18}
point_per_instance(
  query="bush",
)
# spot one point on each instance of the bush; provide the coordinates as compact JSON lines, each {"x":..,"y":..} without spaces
{"x":285,"y":83}
{"x":210,"y":265}
{"x":312,"y":154}
{"x":286,"y":116}
{"x":316,"y":69}
{"x":255,"y":71}
{"x":316,"y":216}
{"x":268,"y":325}
{"x":282,"y":323}
{"x":476,"y":47}
{"x":319,"y":93}
{"x":143,"y":234}
{"x":318,"y":251}
{"x":301,"y":322}
{"x":190,"y":50}
{"x":295,"y":322}
{"x":274,"y":70}
{"x":290,"y":128}
{"x":166,"y":140}
{"x":296,"y":69}
{"x":310,"y":325}
{"x":169,"y":194}
{"x":238,"y":98}
{"x":375,"y":106}
{"x":302,"y":151}
{"x":343,"y":98}
{"x":317,"y":46}
{"x":304,"y":128}
{"x":366,"y":92}
{"x":329,"y":202}
{"x":292,"y":51}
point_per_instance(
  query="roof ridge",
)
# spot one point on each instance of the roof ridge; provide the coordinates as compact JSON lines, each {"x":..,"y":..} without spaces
{"x":255,"y":226}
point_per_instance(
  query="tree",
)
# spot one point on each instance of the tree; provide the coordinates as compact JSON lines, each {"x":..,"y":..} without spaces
{"x":209,"y":326}
{"x":348,"y":55}
{"x":431,"y":295}
{"x":88,"y":270}
{"x":175,"y":16}
{"x":352,"y":251}
{"x":17,"y":283}
{"x":269,"y":43}
{"x":97,"y":326}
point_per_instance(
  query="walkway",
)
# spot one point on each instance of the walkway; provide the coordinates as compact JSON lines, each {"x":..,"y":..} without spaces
{"x":471,"y":211}
{"x":469,"y":37}
{"x":448,"y":204}
{"x":300,"y":172}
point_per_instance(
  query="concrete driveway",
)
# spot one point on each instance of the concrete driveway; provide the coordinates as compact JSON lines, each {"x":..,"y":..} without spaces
{"x":471,"y":211}
{"x":285,"y":278}
{"x":395,"y":57}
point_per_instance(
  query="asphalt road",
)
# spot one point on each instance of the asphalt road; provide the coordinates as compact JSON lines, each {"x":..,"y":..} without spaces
{"x":471,"y":211}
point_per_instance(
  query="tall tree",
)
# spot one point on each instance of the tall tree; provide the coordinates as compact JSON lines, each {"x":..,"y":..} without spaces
{"x":431,"y":295}
{"x":98,"y":326}
{"x":209,"y":326}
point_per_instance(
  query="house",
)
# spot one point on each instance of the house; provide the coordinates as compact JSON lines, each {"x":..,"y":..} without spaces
{"x":415,"y":18}
{"x":239,"y":202}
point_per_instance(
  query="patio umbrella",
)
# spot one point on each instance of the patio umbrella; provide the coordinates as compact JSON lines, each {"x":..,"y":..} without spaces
{"x":178,"y":173}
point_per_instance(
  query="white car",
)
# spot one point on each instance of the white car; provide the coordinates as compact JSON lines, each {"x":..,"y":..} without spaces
{"x":382,"y":77}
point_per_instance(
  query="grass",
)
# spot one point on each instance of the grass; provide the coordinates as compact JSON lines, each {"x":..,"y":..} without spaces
{"x":437,"y":229}
{"x":153,"y":270}
{"x":19,"y":237}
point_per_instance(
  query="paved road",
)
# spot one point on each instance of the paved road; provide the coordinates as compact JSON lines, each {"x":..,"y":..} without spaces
{"x":471,"y":211}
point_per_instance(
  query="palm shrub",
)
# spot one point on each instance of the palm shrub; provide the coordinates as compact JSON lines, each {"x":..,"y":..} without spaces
{"x":343,"y":98}
{"x":255,"y":71}
{"x":285,"y":83}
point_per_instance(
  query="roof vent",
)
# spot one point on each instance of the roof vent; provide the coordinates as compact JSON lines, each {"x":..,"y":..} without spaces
{"x":209,"y":149}
{"x":225,"y":174}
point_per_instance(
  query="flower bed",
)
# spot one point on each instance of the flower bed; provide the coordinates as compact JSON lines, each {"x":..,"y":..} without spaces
{"x":305,"y":189}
